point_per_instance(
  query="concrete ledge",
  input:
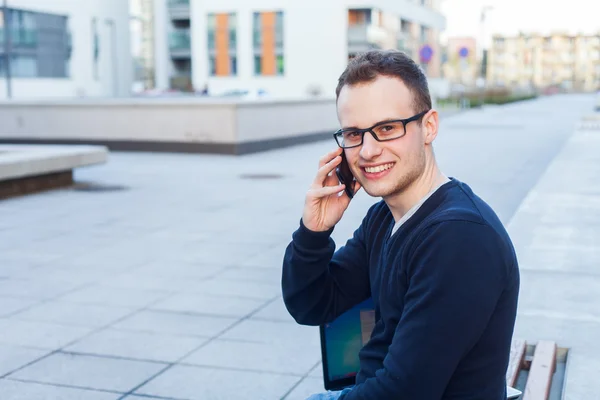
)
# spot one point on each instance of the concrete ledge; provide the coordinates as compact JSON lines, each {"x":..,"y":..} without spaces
{"x":173,"y":125}
{"x":34,"y":184}
{"x":20,"y":161}
{"x":182,"y":147}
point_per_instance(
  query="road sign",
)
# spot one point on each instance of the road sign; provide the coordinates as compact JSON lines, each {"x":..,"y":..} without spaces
{"x":463,"y":52}
{"x":426,"y":53}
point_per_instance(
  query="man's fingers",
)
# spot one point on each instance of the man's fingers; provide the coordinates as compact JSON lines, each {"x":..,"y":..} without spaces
{"x":324,"y":171}
{"x":326,"y":191}
{"x":327,"y":157}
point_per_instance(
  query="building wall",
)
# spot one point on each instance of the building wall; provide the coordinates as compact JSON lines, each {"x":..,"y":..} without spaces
{"x":571,"y":62}
{"x":113,"y":74}
{"x":306,"y":56}
{"x":313,"y":56}
{"x":142,"y":43}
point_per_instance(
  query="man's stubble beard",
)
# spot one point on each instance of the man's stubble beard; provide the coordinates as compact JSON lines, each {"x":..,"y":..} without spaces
{"x":404,"y":181}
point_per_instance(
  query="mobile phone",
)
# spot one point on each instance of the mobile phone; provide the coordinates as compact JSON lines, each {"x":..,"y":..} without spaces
{"x":345,"y":176}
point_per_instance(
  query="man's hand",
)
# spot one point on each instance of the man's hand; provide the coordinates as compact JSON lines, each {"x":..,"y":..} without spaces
{"x":324,"y":206}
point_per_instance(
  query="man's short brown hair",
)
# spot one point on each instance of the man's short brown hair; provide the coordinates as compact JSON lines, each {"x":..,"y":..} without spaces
{"x":367,"y":66}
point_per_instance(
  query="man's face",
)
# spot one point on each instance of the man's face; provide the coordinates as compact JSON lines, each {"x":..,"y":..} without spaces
{"x":384,"y":169}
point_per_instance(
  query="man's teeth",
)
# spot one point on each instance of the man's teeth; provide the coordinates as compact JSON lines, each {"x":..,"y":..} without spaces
{"x":378,"y":168}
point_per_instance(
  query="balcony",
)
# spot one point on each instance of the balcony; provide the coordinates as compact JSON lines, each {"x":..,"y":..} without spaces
{"x":179,"y":9}
{"x":20,"y":38}
{"x":180,"y":44}
{"x":406,"y":43}
{"x":363,"y":37}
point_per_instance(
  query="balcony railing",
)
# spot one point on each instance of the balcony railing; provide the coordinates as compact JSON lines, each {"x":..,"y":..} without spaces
{"x":365,"y":36}
{"x":179,"y":9}
{"x":180,"y":43}
{"x":20,"y":37}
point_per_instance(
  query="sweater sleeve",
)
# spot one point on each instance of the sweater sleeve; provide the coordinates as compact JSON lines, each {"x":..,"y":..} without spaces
{"x":317,"y":284}
{"x":456,"y":275}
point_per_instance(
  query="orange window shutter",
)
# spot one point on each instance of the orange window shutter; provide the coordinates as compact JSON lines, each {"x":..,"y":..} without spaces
{"x":352,"y":17}
{"x":268,"y":45}
{"x":222,"y":45}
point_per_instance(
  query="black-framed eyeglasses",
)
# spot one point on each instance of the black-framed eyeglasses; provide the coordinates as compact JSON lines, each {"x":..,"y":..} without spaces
{"x":381,"y":131}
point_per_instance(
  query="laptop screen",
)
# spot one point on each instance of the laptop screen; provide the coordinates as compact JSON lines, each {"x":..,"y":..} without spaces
{"x":341,"y":340}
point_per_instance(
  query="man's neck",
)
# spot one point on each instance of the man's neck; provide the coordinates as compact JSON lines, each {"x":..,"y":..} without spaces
{"x":401,"y":203}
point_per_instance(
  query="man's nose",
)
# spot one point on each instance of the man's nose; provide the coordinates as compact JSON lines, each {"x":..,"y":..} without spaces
{"x":370,"y":148}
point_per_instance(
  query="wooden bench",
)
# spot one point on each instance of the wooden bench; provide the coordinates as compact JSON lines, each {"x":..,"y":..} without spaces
{"x":534,"y":364}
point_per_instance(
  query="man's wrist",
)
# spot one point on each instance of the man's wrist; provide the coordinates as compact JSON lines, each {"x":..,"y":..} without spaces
{"x":309,"y":238}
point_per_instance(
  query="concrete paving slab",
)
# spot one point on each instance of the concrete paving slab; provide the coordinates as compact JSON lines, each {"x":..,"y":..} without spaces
{"x":197,"y":383}
{"x":275,"y":332}
{"x":12,"y":305}
{"x":99,"y":373}
{"x":275,"y":311}
{"x":106,"y":295}
{"x":64,"y":313}
{"x":224,"y":287}
{"x":142,"y":346}
{"x":271,"y":276}
{"x":15,"y":357}
{"x":39,"y":335}
{"x":278,"y":358}
{"x":35,"y":289}
{"x":175,"y":323}
{"x":15,"y":390}
{"x":209,"y":305}
{"x":308,"y":386}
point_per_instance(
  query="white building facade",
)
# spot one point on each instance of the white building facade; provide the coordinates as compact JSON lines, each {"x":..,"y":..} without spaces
{"x":287,"y":48}
{"x":65,"y":49}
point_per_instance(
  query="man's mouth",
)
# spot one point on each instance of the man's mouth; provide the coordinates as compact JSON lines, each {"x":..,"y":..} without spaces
{"x":378,"y":168}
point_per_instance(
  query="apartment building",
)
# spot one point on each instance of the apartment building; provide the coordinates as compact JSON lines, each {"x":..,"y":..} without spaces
{"x":462,"y":64}
{"x":569,"y":62}
{"x":65,"y":48}
{"x":285,"y":47}
{"x":142,"y":43}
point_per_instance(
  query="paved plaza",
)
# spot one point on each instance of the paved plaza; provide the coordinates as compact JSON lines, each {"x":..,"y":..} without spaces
{"x":158,"y":276}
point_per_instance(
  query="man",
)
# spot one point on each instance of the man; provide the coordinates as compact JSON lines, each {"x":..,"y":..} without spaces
{"x":434,"y":257}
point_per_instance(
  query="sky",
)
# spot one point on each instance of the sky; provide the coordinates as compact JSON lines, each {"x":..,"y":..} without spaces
{"x":511,"y":16}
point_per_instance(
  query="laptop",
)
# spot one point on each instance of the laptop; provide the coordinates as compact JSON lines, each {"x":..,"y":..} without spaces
{"x":341,"y":341}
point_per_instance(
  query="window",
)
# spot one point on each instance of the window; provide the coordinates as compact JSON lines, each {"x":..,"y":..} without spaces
{"x":211,"y":26}
{"x":257,"y":30}
{"x":232,"y":25}
{"x":423,"y":34}
{"x":222,"y":44}
{"x":268,"y":43}
{"x":279,"y":29}
{"x":95,"y":49}
{"x":21,"y":66}
{"x":212,"y":66}
{"x":359,"y":16}
{"x":257,"y":65}
{"x":41,"y":44}
{"x":233,"y":65}
{"x":280,"y":65}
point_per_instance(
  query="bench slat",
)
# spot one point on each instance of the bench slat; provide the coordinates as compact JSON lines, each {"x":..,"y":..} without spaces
{"x":540,"y":374}
{"x":517,"y":353}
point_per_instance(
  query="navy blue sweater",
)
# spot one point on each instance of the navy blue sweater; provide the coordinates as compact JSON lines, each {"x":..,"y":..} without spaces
{"x":445,"y":288}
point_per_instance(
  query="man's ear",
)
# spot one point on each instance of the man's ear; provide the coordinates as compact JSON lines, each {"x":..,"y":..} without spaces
{"x":430,"y":124}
